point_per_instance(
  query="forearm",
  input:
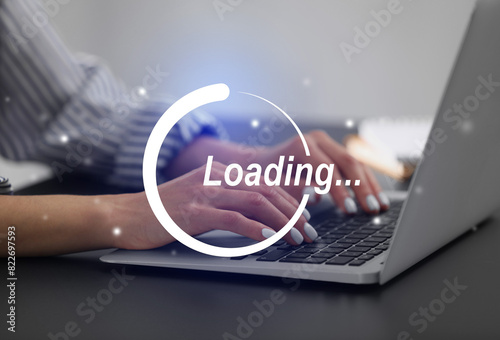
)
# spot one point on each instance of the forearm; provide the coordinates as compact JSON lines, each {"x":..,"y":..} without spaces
{"x":52,"y":225}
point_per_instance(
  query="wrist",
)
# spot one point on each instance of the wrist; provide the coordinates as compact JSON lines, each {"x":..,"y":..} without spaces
{"x":131,"y":224}
{"x":111,"y":216}
{"x":94,"y":231}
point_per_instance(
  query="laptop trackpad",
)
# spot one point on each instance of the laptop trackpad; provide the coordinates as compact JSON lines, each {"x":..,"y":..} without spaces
{"x":227,"y":239}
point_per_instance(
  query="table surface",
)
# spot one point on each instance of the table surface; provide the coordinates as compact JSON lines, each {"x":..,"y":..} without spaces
{"x":82,"y":297}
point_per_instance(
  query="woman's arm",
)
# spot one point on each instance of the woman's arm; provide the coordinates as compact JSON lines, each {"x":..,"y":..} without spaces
{"x":52,"y":225}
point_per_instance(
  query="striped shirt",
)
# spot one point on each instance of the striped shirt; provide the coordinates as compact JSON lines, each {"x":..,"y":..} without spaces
{"x":69,"y":111}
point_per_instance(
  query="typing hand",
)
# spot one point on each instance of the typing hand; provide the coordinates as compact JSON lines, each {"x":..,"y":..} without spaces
{"x":253,"y":211}
{"x":325,"y":150}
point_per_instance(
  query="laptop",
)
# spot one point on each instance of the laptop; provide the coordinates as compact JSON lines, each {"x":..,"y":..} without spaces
{"x":453,"y":189}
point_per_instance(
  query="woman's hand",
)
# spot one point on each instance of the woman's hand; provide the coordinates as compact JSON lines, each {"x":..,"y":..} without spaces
{"x":51,"y":225}
{"x":253,"y":211}
{"x":323,"y":149}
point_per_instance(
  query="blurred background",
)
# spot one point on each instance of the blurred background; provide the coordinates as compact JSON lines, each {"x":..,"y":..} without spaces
{"x":285,"y":50}
{"x":323,"y":61}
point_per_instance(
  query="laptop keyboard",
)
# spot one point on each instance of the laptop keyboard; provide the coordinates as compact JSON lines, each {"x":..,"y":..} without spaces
{"x":342,"y":240}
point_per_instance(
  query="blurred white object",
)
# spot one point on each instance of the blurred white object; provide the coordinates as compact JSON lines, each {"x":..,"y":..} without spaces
{"x":24,"y":174}
{"x":380,"y":161}
{"x":398,"y":138}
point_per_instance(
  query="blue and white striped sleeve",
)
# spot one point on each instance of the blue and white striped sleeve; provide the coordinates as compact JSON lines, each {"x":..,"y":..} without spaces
{"x":69,"y":111}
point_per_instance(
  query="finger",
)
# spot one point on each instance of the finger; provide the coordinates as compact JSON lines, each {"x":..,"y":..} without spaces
{"x":339,"y":194}
{"x":219,"y":173}
{"x":298,"y":191}
{"x":302,"y":230}
{"x":287,"y":205}
{"x":381,"y":196}
{"x":234,"y":221}
{"x":277,"y":199}
{"x":351,"y":169}
{"x":256,"y":206}
{"x":314,"y":198}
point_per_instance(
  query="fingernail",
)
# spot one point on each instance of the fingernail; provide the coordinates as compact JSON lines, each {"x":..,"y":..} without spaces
{"x":306,"y":214}
{"x":312,"y":194}
{"x":350,"y":206}
{"x":384,"y":199}
{"x":267,"y":233}
{"x":296,"y":236}
{"x":310,"y":231}
{"x":372,"y":203}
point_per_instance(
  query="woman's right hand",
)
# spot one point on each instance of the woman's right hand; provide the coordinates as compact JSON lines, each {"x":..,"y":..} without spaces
{"x":253,"y":211}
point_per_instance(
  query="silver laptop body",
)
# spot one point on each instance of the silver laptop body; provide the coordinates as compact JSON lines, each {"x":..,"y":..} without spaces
{"x":454,"y":188}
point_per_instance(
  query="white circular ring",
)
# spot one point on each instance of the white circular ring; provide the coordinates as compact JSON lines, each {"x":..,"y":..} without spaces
{"x":188,"y":103}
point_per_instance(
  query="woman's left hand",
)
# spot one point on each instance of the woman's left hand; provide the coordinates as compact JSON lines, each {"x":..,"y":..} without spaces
{"x":324,"y":150}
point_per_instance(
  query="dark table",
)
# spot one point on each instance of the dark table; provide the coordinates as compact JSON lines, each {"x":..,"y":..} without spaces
{"x":85,"y":299}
